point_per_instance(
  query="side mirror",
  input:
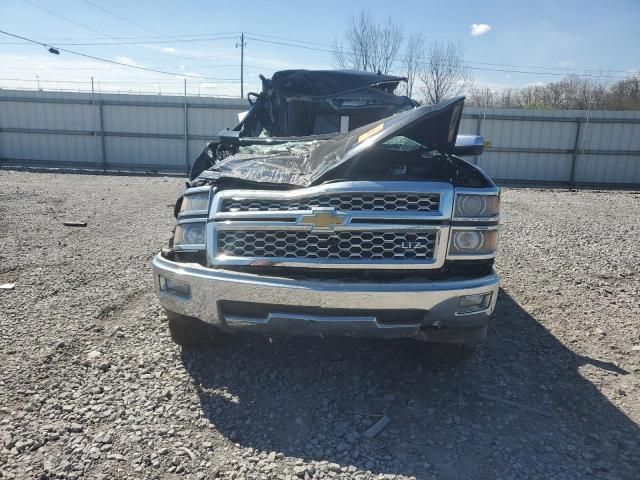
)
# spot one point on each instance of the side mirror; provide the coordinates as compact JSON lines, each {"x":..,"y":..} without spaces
{"x":468,"y":145}
{"x":229,"y":136}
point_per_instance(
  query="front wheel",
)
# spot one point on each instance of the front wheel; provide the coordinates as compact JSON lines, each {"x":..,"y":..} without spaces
{"x":190,"y":331}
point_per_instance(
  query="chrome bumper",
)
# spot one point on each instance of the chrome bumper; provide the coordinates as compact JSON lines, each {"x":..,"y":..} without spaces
{"x":208,"y":287}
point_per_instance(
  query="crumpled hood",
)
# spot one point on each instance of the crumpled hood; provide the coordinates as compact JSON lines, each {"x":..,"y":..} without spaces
{"x":433,"y":126}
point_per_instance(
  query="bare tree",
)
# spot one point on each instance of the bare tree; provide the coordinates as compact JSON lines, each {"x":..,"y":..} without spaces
{"x":368,"y":45}
{"x":359,"y":38}
{"x":482,"y":97}
{"x":488,"y":97}
{"x":411,"y":61}
{"x":508,"y":99}
{"x":573,"y":92}
{"x":625,"y":94}
{"x":444,"y":72}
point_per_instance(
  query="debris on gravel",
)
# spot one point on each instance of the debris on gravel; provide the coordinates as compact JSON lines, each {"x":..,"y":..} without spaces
{"x":376,"y":428}
{"x":91,"y":385}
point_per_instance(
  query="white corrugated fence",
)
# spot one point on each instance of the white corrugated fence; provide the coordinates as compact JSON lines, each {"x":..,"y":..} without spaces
{"x":155,"y":133}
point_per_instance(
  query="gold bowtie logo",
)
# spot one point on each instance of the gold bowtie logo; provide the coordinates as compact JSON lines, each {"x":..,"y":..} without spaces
{"x":323,"y":220}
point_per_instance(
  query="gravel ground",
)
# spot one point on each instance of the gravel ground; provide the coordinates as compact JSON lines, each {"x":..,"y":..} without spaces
{"x":92,"y":387}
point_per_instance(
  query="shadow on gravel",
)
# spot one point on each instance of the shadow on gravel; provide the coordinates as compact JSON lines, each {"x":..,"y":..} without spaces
{"x":312,"y":398}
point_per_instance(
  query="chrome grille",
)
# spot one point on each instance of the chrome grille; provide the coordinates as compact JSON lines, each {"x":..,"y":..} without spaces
{"x":372,"y":201}
{"x":350,"y":224}
{"x":339,"y":245}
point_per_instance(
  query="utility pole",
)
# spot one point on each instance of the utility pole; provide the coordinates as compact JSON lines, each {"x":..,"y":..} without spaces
{"x":242,"y":44}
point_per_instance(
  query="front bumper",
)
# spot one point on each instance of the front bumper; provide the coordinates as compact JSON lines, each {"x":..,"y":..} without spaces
{"x":322,"y":306}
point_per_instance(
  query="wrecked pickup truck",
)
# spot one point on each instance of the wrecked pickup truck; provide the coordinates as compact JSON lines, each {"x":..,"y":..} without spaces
{"x":379,"y":231}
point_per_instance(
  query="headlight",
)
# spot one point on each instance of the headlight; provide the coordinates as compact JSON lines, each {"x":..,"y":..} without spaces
{"x":473,"y":242}
{"x":467,"y":241}
{"x":195,"y":202}
{"x":189,"y":234}
{"x":474,"y":205}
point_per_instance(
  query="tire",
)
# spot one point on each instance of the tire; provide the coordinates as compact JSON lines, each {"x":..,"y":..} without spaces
{"x":190,"y":331}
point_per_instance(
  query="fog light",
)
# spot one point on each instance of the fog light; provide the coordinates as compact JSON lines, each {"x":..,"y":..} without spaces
{"x":175,"y":287}
{"x":472,"y":303}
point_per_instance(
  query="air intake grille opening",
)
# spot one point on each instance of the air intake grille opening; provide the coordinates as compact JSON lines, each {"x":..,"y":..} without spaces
{"x":389,"y":202}
{"x":340,"y":245}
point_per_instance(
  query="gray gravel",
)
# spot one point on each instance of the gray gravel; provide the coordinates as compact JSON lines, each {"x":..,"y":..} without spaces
{"x":92,"y":387}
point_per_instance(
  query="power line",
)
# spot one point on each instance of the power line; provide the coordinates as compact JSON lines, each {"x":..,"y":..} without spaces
{"x":106,"y":69}
{"x":468,"y":66}
{"x":152,"y":37}
{"x":292,"y":45}
{"x":518,"y":69}
{"x":165,"y":82}
{"x":131,"y":22}
{"x":130,"y":91}
{"x":289,"y":63}
{"x":329,"y":48}
{"x":146,"y":42}
{"x":106,"y":60}
{"x":92,"y":29}
{"x":51,"y":12}
{"x":547,"y":68}
{"x":559,"y":74}
{"x":156,"y":32}
{"x":291,"y":39}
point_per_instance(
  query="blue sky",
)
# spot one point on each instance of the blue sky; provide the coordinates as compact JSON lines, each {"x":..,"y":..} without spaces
{"x":562,"y":36}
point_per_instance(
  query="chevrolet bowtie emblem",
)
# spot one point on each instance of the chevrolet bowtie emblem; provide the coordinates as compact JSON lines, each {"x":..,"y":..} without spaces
{"x":325,"y":220}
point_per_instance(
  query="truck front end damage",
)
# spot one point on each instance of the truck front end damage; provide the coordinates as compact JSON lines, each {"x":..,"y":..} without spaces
{"x":382,"y":231}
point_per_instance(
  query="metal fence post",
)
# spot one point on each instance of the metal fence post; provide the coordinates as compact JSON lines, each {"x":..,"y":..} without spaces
{"x":186,"y":131}
{"x":95,"y":125}
{"x":574,"y":159}
{"x":479,"y":119}
{"x":103,"y":153}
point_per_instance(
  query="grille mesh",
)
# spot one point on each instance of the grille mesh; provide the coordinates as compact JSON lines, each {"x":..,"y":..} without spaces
{"x":391,"y":202}
{"x":342,"y":245}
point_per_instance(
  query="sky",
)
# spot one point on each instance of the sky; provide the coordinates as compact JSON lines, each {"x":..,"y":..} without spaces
{"x":508,"y":44}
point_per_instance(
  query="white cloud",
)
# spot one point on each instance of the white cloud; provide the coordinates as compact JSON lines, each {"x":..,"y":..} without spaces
{"x":478,"y":29}
{"x":169,"y":50}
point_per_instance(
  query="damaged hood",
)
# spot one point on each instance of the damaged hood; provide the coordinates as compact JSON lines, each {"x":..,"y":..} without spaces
{"x":308,"y":161}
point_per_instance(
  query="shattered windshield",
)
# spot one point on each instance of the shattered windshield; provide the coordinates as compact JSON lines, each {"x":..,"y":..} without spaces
{"x":401,"y":144}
